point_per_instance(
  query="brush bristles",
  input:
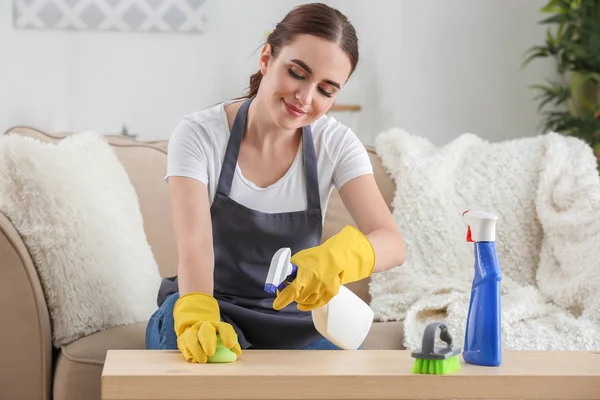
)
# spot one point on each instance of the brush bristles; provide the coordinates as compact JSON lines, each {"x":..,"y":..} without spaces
{"x":436,"y":367}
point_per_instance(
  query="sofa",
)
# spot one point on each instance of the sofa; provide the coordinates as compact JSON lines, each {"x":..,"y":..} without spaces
{"x":32,"y":368}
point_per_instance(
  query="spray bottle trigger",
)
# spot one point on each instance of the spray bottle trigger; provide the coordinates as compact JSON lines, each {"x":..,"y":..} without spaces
{"x":469,"y":238}
{"x":290,"y":278}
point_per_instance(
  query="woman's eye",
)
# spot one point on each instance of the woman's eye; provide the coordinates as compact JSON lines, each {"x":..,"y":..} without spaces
{"x":325,"y":92}
{"x":294,"y":74}
{"x":300,"y":77}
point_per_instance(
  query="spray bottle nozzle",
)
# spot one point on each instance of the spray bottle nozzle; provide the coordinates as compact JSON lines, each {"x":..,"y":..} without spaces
{"x":481,"y":226}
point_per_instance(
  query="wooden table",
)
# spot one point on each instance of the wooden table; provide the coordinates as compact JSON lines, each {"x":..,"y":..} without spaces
{"x":372,"y":374}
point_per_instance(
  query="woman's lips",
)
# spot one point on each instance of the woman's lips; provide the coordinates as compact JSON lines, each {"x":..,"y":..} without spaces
{"x":293,"y":111}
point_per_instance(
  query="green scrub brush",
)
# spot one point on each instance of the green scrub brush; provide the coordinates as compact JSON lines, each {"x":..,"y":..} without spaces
{"x":436,"y":360}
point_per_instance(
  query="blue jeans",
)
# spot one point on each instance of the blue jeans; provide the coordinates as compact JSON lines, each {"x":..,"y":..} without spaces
{"x":160,"y":332}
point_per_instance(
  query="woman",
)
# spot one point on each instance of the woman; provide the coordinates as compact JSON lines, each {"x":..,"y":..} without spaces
{"x":250,"y":176}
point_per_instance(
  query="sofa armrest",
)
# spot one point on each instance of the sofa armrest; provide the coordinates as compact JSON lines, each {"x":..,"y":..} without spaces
{"x":25,"y":333}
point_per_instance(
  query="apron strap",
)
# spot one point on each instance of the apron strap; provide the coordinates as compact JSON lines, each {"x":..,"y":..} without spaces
{"x":233,"y":149}
{"x":309,"y":156}
{"x":232,"y":152}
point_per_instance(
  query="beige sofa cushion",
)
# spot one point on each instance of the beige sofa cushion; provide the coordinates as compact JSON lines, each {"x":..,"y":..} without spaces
{"x":79,"y":364}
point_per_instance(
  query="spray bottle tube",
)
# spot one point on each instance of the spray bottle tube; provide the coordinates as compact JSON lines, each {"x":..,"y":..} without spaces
{"x":345,"y":321}
{"x":483,"y":335}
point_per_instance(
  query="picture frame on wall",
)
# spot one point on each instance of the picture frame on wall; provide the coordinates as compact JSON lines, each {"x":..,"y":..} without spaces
{"x":166,"y":16}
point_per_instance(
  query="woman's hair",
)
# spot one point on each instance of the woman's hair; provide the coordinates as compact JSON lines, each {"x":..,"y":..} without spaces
{"x":316,"y":19}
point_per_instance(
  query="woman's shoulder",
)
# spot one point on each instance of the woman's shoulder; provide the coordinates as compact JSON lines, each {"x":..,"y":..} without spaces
{"x":345,"y":152}
{"x":204,"y":131}
{"x":333,"y":135}
{"x":326,"y":124}
{"x":208,"y":119}
{"x":208,"y":125}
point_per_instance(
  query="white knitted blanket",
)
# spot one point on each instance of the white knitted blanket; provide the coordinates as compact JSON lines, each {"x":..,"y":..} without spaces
{"x":545,"y":191}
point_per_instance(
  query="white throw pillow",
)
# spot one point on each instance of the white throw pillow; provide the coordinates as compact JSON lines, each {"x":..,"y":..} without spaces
{"x":77,"y":212}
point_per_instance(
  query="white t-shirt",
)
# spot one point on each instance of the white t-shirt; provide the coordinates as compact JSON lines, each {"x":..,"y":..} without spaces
{"x":197,"y":149}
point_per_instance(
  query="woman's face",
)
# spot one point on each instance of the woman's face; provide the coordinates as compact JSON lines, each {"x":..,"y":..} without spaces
{"x":301,"y":83}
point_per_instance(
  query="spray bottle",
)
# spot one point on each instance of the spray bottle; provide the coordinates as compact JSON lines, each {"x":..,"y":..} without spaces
{"x":345,"y":321}
{"x":483,"y":335}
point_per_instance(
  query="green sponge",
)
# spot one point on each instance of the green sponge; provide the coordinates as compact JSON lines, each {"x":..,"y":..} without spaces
{"x":222,"y":354}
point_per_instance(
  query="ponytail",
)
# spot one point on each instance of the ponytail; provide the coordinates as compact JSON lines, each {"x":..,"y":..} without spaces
{"x":254,"y":84}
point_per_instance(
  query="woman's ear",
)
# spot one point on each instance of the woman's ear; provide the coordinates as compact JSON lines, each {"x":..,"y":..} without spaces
{"x":265,"y":57}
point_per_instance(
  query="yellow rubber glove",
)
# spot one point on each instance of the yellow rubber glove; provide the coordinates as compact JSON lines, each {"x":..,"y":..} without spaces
{"x":197,"y":323}
{"x":347,"y":256}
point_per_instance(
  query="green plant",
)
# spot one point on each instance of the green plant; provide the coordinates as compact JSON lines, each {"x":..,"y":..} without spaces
{"x":570,"y":103}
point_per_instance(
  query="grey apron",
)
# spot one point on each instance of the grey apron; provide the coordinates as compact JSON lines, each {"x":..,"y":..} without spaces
{"x":244,"y":242}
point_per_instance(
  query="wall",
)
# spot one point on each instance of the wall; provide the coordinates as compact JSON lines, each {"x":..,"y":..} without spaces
{"x":440,"y":68}
{"x":435,"y":68}
{"x":461,"y":68}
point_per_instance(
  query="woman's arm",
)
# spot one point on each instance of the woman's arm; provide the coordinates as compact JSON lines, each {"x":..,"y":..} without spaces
{"x":193,"y":232}
{"x":352,"y":254}
{"x":196,"y":312}
{"x":364,"y":202}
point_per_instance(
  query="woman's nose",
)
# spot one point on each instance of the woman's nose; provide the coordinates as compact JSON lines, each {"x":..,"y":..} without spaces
{"x":304,"y":95}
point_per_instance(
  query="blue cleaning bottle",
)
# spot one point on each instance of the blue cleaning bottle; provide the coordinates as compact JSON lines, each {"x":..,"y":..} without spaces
{"x":483,"y":335}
